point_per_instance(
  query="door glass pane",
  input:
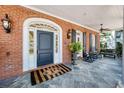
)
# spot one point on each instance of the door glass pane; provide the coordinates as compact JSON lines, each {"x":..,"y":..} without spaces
{"x":45,"y":41}
{"x":31,"y":42}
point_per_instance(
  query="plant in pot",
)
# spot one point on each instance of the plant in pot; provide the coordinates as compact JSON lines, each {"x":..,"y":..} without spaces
{"x":75,"y":48}
{"x":119,"y":49}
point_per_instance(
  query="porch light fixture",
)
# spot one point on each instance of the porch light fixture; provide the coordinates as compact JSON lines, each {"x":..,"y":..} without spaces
{"x":69,"y":34}
{"x":6,"y":23}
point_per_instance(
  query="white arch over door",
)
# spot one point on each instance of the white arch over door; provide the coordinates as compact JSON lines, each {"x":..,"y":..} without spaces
{"x":32,"y":25}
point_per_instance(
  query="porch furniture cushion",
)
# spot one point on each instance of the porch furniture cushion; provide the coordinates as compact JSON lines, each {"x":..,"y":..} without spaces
{"x":47,"y":73}
{"x":108,"y":52}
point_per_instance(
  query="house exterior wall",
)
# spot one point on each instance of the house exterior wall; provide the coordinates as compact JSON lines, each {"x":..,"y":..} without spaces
{"x":11,"y":43}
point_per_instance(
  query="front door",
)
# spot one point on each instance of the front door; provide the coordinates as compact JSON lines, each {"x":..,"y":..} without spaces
{"x":44,"y":48}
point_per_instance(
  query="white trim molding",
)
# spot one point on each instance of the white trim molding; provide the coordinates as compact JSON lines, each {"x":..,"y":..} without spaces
{"x":41,"y":11}
{"x":30,"y":25}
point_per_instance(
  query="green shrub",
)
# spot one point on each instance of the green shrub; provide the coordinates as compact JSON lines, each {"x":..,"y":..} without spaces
{"x":75,"y":47}
{"x":119,"y":49}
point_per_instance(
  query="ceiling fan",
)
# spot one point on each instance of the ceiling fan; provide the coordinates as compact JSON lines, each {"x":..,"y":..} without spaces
{"x":104,"y":29}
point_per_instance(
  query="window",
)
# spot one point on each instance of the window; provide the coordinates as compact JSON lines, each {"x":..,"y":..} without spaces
{"x":84,"y":41}
{"x":56,"y":43}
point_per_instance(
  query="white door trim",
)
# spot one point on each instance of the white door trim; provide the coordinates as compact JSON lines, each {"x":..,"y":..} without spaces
{"x":26,"y":29}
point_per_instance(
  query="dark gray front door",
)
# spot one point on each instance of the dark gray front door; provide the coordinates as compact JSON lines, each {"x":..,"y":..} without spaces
{"x":44,"y":48}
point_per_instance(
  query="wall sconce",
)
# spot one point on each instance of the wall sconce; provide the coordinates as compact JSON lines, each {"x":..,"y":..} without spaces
{"x":6,"y":23}
{"x":69,"y":34}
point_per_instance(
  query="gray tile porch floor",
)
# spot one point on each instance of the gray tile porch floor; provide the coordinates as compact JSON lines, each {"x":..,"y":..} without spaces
{"x":103,"y":73}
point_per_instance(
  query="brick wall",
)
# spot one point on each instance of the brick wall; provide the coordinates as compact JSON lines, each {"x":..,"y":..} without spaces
{"x":11,"y":44}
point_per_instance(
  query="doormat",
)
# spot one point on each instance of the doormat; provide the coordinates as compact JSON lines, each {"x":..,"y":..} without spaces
{"x":47,"y":73}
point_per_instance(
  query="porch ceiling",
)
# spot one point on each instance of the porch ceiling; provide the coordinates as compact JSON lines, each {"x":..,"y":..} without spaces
{"x":111,"y":16}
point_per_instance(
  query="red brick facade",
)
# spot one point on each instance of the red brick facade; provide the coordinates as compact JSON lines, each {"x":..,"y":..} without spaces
{"x":11,"y":44}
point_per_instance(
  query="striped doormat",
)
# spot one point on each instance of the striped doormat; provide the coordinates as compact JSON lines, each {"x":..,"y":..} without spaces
{"x":47,"y":73}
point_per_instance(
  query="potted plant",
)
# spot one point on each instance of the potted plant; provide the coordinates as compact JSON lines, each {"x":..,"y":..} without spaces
{"x":119,"y":49}
{"x":75,"y":48}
